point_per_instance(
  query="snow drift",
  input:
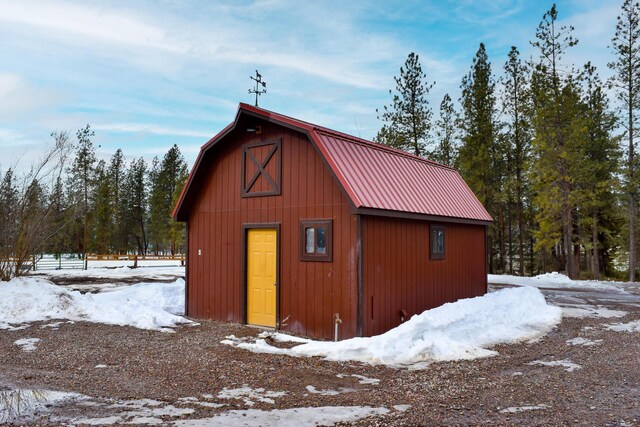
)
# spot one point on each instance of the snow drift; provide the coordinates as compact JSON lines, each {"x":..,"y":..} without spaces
{"x":465,"y":329}
{"x":144,"y":305}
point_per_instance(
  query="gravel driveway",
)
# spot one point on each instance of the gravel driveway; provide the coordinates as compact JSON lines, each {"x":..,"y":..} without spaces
{"x":581,"y":373}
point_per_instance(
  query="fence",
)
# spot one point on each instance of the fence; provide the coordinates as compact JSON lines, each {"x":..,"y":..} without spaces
{"x":59,"y":263}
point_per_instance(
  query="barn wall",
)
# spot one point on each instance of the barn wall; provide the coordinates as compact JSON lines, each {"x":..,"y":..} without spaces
{"x":398,"y":274}
{"x":310,"y":292}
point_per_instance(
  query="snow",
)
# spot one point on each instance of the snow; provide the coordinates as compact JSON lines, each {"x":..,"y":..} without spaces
{"x":329,"y":392}
{"x":145,"y":305}
{"x":584,"y":310}
{"x":565,"y":363}
{"x":116,"y":272}
{"x":518,"y":409}
{"x":27,"y":344}
{"x":465,"y":329}
{"x":248,"y":395}
{"x":555,"y":280}
{"x":625,"y":327}
{"x":292,"y":417}
{"x":19,"y":403}
{"x":583,"y":341}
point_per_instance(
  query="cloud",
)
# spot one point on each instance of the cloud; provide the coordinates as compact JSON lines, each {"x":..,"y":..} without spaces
{"x":18,"y":97}
{"x":150,"y":129}
{"x":238,"y":35}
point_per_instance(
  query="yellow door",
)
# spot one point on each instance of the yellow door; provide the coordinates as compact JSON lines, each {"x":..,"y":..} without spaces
{"x":261,"y":277}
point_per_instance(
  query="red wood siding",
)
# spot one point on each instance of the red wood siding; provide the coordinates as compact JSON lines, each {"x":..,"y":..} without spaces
{"x":310,"y":292}
{"x":398,"y":274}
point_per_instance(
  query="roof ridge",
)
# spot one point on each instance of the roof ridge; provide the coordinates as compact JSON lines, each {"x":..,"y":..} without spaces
{"x":378,"y":146}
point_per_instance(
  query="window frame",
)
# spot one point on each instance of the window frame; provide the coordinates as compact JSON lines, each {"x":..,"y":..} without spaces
{"x":433,"y":254}
{"x":316,"y":223}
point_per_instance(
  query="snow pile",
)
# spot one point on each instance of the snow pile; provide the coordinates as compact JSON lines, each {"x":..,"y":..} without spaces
{"x":554,"y":280}
{"x":145,"y":305}
{"x":461,"y":330}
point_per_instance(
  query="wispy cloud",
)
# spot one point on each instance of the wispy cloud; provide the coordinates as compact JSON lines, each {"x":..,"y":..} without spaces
{"x":150,"y":129}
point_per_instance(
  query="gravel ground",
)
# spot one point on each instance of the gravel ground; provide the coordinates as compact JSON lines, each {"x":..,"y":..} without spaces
{"x":187,"y":370}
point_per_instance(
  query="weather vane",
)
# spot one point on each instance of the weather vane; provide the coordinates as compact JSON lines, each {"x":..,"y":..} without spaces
{"x":257,"y":90}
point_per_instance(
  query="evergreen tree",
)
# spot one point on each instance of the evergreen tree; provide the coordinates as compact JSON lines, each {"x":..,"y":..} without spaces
{"x":479,"y":155}
{"x":102,"y":223}
{"x":135,"y":200}
{"x":116,"y":176}
{"x":626,"y":80}
{"x":446,"y":130}
{"x":167,"y":178}
{"x":408,"y":118}
{"x":82,"y":180}
{"x":554,"y":103}
{"x":599,"y":169}
{"x":516,"y":107}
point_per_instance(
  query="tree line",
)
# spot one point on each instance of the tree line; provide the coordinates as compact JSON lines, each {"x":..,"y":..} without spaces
{"x":542,"y":146}
{"x":71,"y":202}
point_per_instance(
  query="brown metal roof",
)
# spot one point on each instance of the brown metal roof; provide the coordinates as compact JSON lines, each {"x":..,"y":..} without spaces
{"x":377,"y":178}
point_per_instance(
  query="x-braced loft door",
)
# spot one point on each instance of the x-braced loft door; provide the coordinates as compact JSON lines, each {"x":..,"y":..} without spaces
{"x":261,"y":276}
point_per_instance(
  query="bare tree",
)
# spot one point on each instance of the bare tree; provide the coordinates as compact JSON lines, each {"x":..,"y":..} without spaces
{"x":25,"y":213}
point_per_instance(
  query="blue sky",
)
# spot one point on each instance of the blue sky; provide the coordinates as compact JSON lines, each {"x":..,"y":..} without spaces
{"x":148,"y":74}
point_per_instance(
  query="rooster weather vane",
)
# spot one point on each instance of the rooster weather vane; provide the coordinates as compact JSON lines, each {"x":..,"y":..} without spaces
{"x":259,"y":82}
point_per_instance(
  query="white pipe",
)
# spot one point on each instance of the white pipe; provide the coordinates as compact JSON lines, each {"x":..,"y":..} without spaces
{"x":336,"y":321}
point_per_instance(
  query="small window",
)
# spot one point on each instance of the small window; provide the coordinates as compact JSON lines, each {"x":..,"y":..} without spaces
{"x":437,"y":242}
{"x":315,"y":237}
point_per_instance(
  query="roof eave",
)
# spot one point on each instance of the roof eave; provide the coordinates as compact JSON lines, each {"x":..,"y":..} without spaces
{"x":421,"y":216}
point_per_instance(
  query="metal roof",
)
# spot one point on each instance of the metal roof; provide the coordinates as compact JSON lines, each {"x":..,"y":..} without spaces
{"x":377,"y":179}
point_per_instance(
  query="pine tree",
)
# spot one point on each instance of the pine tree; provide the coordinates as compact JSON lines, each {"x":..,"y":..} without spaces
{"x":516,"y":107}
{"x":554,"y":100}
{"x":479,"y":155}
{"x":116,"y":176}
{"x":446,"y":130}
{"x":102,"y":223}
{"x":166,"y":178}
{"x":626,"y":80}
{"x":135,"y":199}
{"x":82,"y":179}
{"x":408,"y":118}
{"x":599,"y":169}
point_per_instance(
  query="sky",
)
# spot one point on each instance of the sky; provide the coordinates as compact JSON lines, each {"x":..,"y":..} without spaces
{"x":149,"y":74}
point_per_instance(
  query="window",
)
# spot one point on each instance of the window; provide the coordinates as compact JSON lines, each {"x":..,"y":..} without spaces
{"x":315,"y":240}
{"x":437,"y":242}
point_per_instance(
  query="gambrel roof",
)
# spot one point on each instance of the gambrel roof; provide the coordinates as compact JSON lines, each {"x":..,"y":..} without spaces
{"x":378,"y":180}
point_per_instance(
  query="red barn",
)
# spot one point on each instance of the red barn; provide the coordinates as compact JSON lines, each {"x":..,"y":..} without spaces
{"x":290,"y":225}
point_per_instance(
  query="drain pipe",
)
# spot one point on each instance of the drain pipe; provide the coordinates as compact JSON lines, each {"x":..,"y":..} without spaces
{"x":336,"y":321}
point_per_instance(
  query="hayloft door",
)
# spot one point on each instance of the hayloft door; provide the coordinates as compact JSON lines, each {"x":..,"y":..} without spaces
{"x":261,"y":276}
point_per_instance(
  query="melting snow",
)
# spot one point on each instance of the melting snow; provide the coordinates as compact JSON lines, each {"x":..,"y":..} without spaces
{"x":583,"y":341}
{"x":293,"y":417}
{"x":461,"y":330}
{"x":518,"y":409}
{"x":625,"y":327}
{"x":248,"y":395}
{"x":145,"y":305}
{"x":328,"y":392}
{"x":583,"y":310}
{"x":565,"y":363}
{"x":555,"y":280}
{"x":27,"y":344}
